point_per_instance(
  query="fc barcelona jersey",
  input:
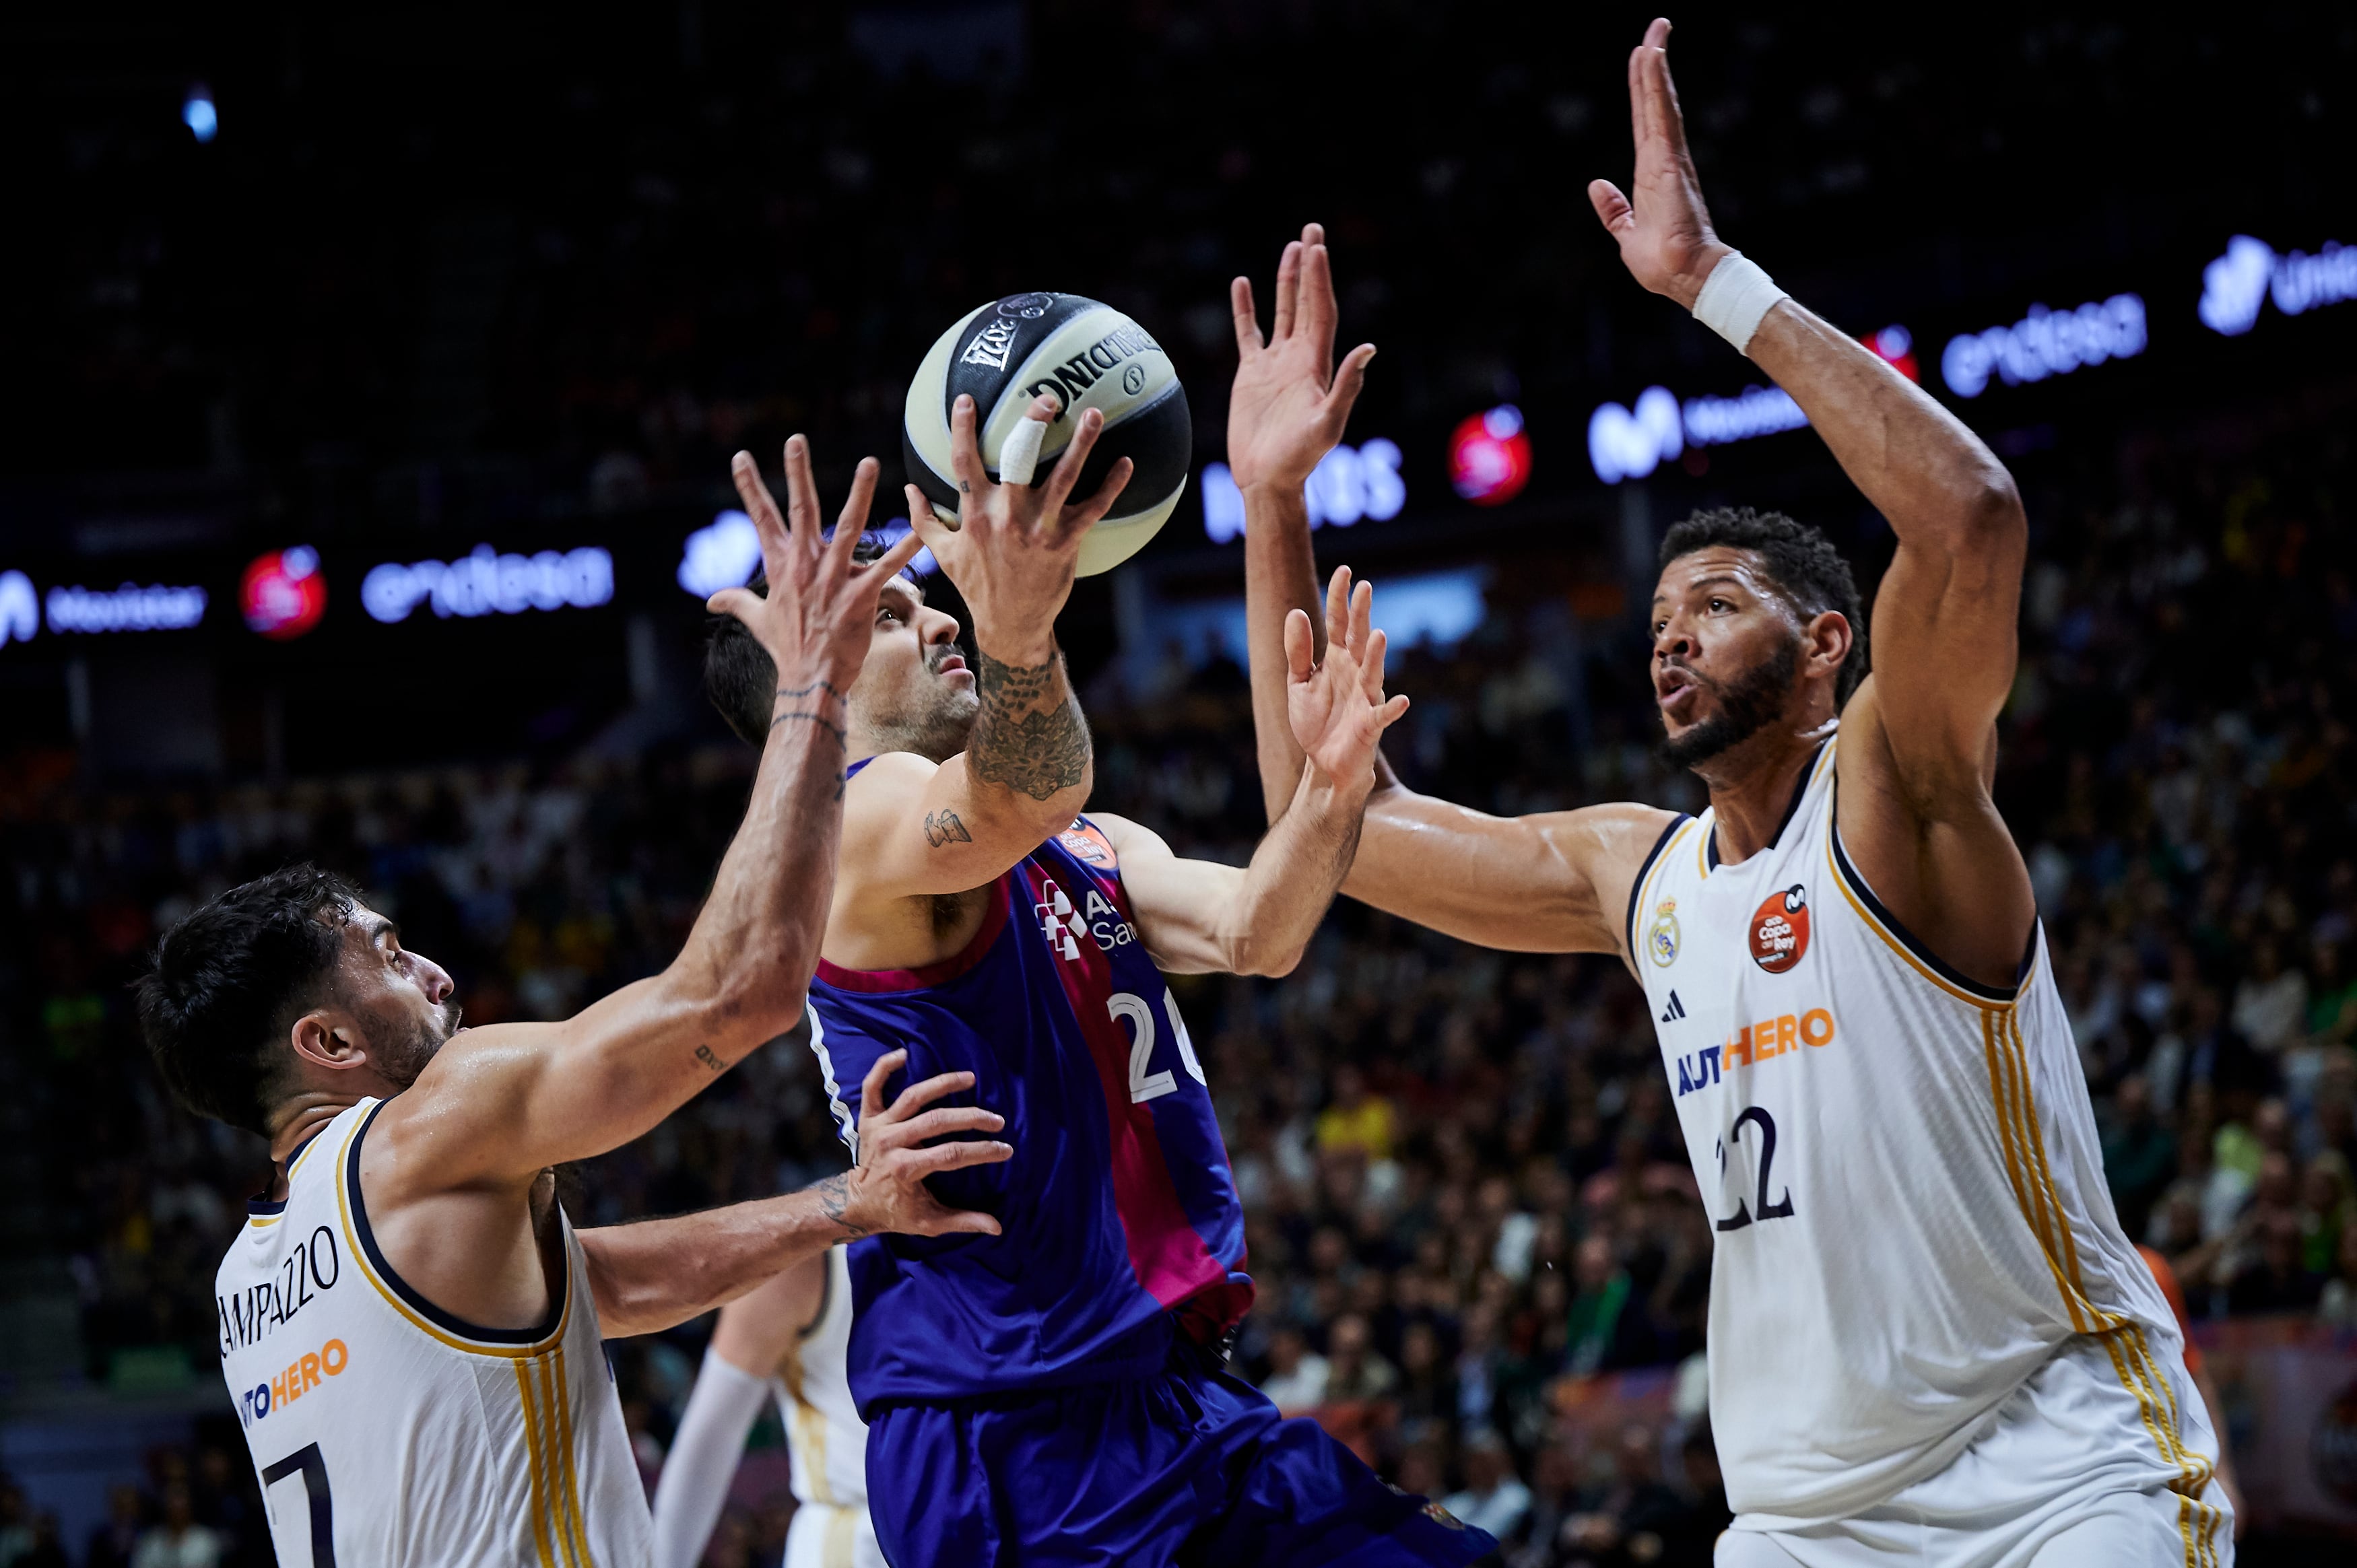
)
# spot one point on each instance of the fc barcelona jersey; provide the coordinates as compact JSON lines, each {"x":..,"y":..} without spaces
{"x":1119,"y":1220}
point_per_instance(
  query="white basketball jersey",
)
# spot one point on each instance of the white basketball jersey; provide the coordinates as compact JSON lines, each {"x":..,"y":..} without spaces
{"x":1904,"y":1172}
{"x":384,"y":1430}
{"x":826,"y":1438}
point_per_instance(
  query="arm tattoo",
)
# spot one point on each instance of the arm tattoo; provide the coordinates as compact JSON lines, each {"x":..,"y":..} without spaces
{"x":704,"y":1054}
{"x":834,"y":1199}
{"x":944,"y":827}
{"x":1015,"y":743}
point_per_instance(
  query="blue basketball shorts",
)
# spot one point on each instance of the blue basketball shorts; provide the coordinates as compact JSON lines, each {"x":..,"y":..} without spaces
{"x":1192,"y":1468}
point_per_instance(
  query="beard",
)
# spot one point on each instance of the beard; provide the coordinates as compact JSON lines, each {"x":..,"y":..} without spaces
{"x":1746,"y":705}
{"x":403,"y":1059}
{"x":934,"y":719}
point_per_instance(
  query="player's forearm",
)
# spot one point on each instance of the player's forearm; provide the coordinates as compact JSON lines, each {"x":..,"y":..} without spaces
{"x":1280,"y":576}
{"x":649,"y":1276}
{"x":754,"y":944}
{"x":1935,"y":481}
{"x":1293,"y":876}
{"x":1030,"y":758}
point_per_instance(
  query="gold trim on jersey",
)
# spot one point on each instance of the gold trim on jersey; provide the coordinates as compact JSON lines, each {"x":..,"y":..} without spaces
{"x":1905,"y":950}
{"x":559,"y":1528}
{"x":554,"y":1336}
{"x":2123,"y":1338}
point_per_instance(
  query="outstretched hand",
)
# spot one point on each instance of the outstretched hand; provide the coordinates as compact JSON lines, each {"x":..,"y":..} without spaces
{"x":885,"y":1188}
{"x":1289,"y":405}
{"x":1336,"y":705}
{"x":819,"y":614}
{"x":1663,"y":229}
{"x":1013,"y":548}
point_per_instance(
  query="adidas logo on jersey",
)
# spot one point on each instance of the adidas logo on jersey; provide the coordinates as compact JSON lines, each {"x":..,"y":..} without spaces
{"x":1674,"y":1011}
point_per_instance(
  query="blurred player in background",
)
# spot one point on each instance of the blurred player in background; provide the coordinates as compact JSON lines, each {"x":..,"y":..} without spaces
{"x":1058,"y":1392}
{"x":1930,"y":1340}
{"x":410,"y":1325}
{"x":788,"y":1339}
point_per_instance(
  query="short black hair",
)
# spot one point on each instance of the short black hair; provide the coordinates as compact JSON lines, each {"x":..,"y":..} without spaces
{"x":740,"y":679}
{"x":1801,"y":561}
{"x":230,"y":979}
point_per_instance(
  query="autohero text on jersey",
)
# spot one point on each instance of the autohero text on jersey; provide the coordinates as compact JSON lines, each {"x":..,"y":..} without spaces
{"x":306,"y":1271}
{"x":1755,"y":1043}
{"x":297,"y":1378}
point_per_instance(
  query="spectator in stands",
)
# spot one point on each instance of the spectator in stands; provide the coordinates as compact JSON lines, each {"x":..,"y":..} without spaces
{"x":178,"y":1540}
{"x":1493,"y":1498}
{"x":1355,"y":1370}
{"x":1356,"y":1119}
{"x":1297,"y":1374}
{"x":1607,"y":1327}
{"x":2139,"y":1152}
{"x":2277,"y":1279}
{"x":113,"y":1543}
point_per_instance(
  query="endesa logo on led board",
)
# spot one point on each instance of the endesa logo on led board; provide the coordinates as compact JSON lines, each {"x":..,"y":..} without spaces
{"x":485,"y":582}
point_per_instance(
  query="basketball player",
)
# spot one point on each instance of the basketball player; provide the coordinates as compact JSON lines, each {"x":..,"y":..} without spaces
{"x":786,"y":1339}
{"x":410,"y":1326}
{"x":1057,"y":1393}
{"x":1930,"y":1341}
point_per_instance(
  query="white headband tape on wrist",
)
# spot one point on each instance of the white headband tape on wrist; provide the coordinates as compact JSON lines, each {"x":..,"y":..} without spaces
{"x":1019,"y":458}
{"x":1736,"y":298}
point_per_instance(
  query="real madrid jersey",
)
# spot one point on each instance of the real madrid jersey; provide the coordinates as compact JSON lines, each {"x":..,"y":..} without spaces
{"x":827,"y":1440}
{"x":1903,"y":1167}
{"x":386,"y":1431}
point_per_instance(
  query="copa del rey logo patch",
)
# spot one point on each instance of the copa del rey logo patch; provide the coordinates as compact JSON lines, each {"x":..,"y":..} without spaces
{"x":1780,"y":929}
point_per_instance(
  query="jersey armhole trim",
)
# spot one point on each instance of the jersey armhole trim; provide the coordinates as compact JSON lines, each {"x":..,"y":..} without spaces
{"x":448,"y":1327}
{"x":994,"y":921}
{"x":1637,"y":888}
{"x":1906,"y":944}
{"x":825,"y":1298}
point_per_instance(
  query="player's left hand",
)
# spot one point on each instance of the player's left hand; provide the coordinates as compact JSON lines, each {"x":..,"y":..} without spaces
{"x":1289,"y":405}
{"x":1336,"y":705}
{"x":885,"y":1189}
{"x":1662,"y":226}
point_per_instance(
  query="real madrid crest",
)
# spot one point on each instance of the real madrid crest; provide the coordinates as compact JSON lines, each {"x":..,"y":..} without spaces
{"x":1661,"y":936}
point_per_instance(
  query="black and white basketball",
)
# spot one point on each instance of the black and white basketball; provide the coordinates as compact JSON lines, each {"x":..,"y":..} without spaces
{"x":1090,"y":356}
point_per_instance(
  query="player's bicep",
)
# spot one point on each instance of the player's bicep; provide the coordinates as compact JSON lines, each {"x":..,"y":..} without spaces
{"x":1182,"y":905}
{"x":1944,"y":648}
{"x":911,"y":826}
{"x":1551,"y":882}
{"x":507,"y":1099}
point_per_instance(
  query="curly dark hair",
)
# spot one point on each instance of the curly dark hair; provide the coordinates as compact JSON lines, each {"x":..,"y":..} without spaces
{"x":1801,"y":561}
{"x":230,"y":981}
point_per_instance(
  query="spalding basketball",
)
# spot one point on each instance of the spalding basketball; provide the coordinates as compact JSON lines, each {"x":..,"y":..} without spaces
{"x":1090,"y":356}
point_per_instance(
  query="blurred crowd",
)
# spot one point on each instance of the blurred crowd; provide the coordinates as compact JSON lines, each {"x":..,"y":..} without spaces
{"x":1468,"y":1201}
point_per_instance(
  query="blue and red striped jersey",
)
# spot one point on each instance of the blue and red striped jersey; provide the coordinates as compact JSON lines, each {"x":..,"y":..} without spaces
{"x":1119,"y":1219}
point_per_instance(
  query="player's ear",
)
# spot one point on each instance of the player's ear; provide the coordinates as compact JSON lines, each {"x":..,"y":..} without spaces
{"x":327,"y":1039}
{"x":1825,"y":641}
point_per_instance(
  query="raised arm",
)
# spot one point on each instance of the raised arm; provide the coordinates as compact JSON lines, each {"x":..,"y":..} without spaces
{"x":1554,"y":883}
{"x":943,"y":828}
{"x":500,"y":1103}
{"x":1919,"y":739}
{"x":1198,"y":917}
{"x":658,"y":1272}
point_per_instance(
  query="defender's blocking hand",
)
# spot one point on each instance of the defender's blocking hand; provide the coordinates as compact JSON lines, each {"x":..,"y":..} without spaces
{"x":819,"y":615}
{"x":1662,"y":225}
{"x":1336,"y":705}
{"x":885,"y":1189}
{"x":1289,"y":406}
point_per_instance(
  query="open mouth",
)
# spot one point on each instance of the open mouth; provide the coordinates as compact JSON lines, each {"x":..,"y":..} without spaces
{"x":1675,"y":692}
{"x":953,"y":664}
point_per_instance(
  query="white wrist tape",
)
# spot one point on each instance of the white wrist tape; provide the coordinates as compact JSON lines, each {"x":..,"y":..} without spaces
{"x":1019,"y":458}
{"x":1735,"y":298}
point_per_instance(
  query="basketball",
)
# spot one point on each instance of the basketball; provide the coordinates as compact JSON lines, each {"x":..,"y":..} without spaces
{"x":1088,"y":356}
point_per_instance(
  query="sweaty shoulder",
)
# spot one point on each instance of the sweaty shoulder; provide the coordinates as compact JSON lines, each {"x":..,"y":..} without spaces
{"x":1618,"y":844}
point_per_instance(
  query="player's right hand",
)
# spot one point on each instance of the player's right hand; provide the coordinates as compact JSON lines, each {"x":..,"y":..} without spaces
{"x":1014,"y":548}
{"x":1289,"y":403}
{"x":886,"y":1190}
{"x":819,"y":612}
{"x":1662,"y":225}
